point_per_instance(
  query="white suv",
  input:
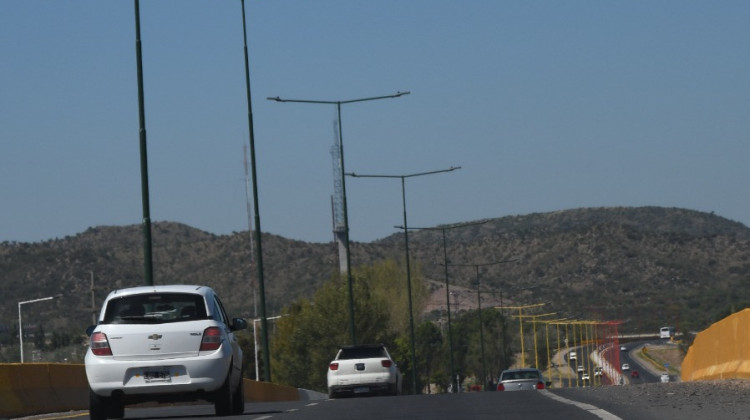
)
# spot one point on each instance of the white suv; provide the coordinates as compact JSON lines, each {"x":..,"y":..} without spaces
{"x":164,"y":343}
{"x":363,"y":369}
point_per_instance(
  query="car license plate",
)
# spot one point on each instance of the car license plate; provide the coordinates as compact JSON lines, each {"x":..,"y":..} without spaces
{"x":161,"y":375}
{"x":361,"y":390}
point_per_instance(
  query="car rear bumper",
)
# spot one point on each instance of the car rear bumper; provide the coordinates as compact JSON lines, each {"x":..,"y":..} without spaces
{"x":207,"y":373}
{"x":372,"y":388}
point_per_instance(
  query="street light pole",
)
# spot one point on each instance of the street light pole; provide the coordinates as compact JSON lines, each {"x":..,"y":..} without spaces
{"x":257,"y":234}
{"x":406,"y":246}
{"x":20,"y":322}
{"x":147,"y":253}
{"x":338,"y":104}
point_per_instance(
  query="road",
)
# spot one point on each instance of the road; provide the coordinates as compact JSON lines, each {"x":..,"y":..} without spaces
{"x":715,"y":400}
{"x":672,"y":401}
{"x":474,"y":405}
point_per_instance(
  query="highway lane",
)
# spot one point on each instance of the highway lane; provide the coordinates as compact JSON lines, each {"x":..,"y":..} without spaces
{"x":647,"y":374}
{"x":474,"y":405}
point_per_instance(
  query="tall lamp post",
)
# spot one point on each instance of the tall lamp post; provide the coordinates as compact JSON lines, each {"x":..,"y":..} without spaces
{"x":406,"y":246}
{"x":343,"y":188}
{"x":20,"y":323}
{"x":257,"y":234}
{"x":147,"y":253}
{"x":454,"y":379}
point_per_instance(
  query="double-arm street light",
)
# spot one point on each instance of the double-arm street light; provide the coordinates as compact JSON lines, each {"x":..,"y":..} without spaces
{"x":406,"y":246}
{"x":454,"y":379}
{"x":343,"y":188}
{"x":20,"y":322}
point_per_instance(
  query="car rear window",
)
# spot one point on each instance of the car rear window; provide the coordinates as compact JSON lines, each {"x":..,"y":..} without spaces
{"x":153,"y":308}
{"x":362,"y":353}
{"x":513,"y":375}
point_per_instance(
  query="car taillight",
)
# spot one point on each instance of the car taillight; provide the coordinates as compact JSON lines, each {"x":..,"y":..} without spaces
{"x":540,"y":385}
{"x":333,"y":366}
{"x":211,"y":339}
{"x":100,"y":344}
{"x":500,"y":387}
{"x":386,"y":363}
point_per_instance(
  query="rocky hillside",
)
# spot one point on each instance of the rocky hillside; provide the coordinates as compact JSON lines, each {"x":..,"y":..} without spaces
{"x":644,"y":266}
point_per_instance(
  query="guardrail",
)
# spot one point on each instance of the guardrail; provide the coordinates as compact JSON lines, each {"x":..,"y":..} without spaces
{"x":37,"y":388}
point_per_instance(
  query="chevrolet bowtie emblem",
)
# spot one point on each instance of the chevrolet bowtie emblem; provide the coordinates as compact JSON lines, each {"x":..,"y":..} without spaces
{"x":154,"y":336}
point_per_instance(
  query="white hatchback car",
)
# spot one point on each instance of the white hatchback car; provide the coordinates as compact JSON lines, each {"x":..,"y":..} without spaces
{"x":166,"y":344}
{"x":363,"y":369}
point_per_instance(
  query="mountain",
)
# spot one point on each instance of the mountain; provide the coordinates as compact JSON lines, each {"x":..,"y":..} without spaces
{"x":644,"y":267}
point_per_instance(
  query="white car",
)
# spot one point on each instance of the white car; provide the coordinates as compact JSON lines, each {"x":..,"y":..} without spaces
{"x":164,"y":343}
{"x":664,"y":378}
{"x":363,"y":369}
{"x":625,"y":366}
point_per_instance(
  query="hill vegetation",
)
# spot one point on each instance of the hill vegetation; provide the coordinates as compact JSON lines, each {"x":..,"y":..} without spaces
{"x":645,"y":267}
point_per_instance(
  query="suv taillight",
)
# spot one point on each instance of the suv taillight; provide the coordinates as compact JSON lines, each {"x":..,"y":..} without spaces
{"x":333,"y":366}
{"x":100,"y":344}
{"x":211,"y":339}
{"x":500,"y":387}
{"x":540,"y":385}
{"x":386,"y":363}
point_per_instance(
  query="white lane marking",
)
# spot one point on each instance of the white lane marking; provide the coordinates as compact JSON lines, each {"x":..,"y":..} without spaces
{"x":601,"y":413}
{"x":311,"y":405}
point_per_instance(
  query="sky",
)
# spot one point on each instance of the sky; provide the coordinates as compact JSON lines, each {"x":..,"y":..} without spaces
{"x":545,"y":106}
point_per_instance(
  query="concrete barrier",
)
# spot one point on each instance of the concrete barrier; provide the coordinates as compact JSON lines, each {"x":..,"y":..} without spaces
{"x":722,"y":351}
{"x":38,"y":388}
{"x":32,"y":388}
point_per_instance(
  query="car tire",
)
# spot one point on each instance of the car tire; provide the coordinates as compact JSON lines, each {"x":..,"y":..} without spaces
{"x":98,"y":406}
{"x":223,"y":397}
{"x":238,"y":399}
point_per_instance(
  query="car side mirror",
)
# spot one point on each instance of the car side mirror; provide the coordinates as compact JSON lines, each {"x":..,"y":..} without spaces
{"x":238,"y":324}
{"x":90,"y":330}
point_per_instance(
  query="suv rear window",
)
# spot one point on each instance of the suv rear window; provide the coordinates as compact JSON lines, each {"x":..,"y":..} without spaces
{"x":154,"y":308}
{"x":362,"y":352}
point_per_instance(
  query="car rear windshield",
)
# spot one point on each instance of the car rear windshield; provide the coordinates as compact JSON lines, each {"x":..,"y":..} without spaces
{"x":513,"y":375}
{"x":154,"y":308}
{"x":362,"y":353}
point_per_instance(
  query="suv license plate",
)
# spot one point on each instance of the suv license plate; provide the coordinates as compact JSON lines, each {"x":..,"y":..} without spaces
{"x":157,"y":376}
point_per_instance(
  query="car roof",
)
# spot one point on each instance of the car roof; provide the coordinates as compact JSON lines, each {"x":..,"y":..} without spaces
{"x":171,"y":288}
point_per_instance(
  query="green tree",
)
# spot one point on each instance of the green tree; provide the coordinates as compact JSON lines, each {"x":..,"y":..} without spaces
{"x":430,"y":357}
{"x":311,"y":331}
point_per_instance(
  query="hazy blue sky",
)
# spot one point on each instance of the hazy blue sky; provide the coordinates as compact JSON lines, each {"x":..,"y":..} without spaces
{"x":546,"y":105}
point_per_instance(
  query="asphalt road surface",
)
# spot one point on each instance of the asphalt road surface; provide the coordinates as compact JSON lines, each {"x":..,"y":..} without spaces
{"x":715,"y":400}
